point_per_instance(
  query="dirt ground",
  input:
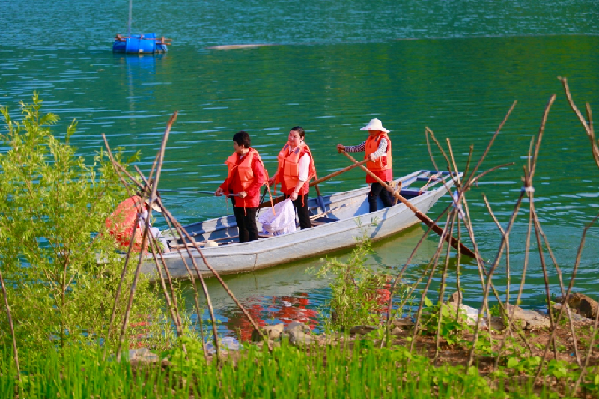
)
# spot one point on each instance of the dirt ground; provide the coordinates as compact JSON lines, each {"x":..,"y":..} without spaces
{"x":530,"y":343}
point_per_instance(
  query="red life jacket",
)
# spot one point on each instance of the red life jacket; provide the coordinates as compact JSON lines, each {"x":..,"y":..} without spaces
{"x":382,"y":167}
{"x":121,"y":222}
{"x":288,"y":172}
{"x":246,"y":177}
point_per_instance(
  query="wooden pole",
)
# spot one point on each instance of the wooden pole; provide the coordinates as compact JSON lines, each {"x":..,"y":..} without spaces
{"x":144,"y":239}
{"x":315,"y":183}
{"x":425,"y":219}
{"x":337,"y":173}
{"x":130,"y":18}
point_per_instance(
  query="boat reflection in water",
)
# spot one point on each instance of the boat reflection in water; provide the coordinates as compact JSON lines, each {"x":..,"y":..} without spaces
{"x":289,"y":293}
{"x":274,"y":310}
{"x":141,"y":80}
{"x":278,"y":295}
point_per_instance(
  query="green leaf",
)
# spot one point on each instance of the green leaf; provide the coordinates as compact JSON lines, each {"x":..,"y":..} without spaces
{"x":427,"y":302}
{"x":512,"y":362}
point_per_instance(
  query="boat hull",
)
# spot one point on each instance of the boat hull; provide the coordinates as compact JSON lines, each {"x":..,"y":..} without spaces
{"x":352,"y":221}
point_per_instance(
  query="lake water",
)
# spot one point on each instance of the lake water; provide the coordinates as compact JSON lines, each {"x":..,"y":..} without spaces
{"x":455,"y":67}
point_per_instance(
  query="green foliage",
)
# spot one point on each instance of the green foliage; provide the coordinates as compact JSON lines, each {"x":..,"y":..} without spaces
{"x":359,"y":371}
{"x":592,"y":381}
{"x":495,"y":310}
{"x":52,"y":233}
{"x":452,"y":328}
{"x":190,"y":358}
{"x":354,"y":289}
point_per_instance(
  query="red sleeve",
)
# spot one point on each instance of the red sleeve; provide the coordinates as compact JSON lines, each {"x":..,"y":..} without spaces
{"x":225,"y":185}
{"x":259,"y":178}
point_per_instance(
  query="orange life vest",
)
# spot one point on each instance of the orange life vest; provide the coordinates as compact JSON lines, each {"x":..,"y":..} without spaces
{"x":382,"y":166}
{"x":288,"y":173}
{"x":121,"y":222}
{"x":246,"y":175}
{"x":383,"y":162}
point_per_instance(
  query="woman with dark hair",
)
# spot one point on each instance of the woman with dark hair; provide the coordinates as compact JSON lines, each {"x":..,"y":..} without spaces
{"x":296,"y":168}
{"x":246,"y":174}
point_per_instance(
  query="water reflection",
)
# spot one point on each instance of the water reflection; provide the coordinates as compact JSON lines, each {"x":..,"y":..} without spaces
{"x":140,"y":72}
{"x":293,"y":293}
{"x":273,"y":310}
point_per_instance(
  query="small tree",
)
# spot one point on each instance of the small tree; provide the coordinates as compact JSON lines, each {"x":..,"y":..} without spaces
{"x":358,"y":290}
{"x":52,"y":236}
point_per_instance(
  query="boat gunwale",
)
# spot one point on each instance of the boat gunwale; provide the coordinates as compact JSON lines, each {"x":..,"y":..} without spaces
{"x":301,"y":236}
{"x":344,"y":195}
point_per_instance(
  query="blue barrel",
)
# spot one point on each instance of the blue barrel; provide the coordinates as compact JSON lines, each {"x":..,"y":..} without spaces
{"x":138,"y":44}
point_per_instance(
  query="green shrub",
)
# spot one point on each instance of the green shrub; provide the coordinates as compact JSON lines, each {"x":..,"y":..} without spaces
{"x":356,"y":296}
{"x":52,"y":212}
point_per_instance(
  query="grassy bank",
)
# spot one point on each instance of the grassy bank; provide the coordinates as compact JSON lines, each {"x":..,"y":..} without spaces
{"x":359,"y":371}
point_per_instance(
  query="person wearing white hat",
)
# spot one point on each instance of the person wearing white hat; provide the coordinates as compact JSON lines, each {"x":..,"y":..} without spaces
{"x":377,"y":148}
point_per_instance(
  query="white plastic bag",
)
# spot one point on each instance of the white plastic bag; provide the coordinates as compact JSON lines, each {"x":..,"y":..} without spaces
{"x":281,"y":223}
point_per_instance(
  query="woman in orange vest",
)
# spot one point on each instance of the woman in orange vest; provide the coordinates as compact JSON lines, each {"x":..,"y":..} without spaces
{"x":378,"y":150}
{"x":296,"y":168}
{"x":246,"y":176}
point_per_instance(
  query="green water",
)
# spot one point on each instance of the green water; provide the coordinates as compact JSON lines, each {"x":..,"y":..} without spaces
{"x":455,"y":67}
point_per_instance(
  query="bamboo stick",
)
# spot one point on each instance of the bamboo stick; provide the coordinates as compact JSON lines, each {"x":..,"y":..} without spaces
{"x":424,"y":218}
{"x":145,"y":237}
{"x":316,"y":182}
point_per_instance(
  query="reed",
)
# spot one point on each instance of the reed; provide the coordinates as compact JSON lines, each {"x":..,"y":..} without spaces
{"x":360,"y":370}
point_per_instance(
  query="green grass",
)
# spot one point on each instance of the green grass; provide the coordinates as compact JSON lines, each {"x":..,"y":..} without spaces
{"x":334,"y":372}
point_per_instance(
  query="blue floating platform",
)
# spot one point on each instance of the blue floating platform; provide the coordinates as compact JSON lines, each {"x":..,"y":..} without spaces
{"x":140,"y":44}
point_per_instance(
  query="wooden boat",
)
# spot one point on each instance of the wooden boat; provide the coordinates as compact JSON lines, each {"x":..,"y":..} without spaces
{"x":344,"y":220}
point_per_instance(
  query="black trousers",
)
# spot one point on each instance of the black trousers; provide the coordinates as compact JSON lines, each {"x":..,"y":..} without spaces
{"x":377,"y":189}
{"x":246,"y":223}
{"x":303,"y":213}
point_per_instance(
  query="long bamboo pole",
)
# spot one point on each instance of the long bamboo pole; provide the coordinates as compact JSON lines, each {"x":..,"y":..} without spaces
{"x":424,"y":218}
{"x":156,"y":253}
{"x":144,"y":239}
{"x":268,"y":204}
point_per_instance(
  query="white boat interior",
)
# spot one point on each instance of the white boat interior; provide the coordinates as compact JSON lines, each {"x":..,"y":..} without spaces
{"x":344,"y":219}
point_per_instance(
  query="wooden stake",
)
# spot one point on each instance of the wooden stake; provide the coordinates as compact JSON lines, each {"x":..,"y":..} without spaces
{"x":425,"y":219}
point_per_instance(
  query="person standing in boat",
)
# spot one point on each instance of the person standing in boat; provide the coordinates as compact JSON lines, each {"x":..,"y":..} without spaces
{"x":378,"y":151}
{"x":296,"y":168}
{"x":246,"y":174}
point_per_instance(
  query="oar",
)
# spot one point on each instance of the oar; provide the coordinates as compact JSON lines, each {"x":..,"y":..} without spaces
{"x":319,"y":199}
{"x":425,"y":219}
{"x":196,"y":192}
{"x":315,"y":182}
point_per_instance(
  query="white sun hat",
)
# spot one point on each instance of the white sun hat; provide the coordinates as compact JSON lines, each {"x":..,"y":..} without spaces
{"x":375,"y":124}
